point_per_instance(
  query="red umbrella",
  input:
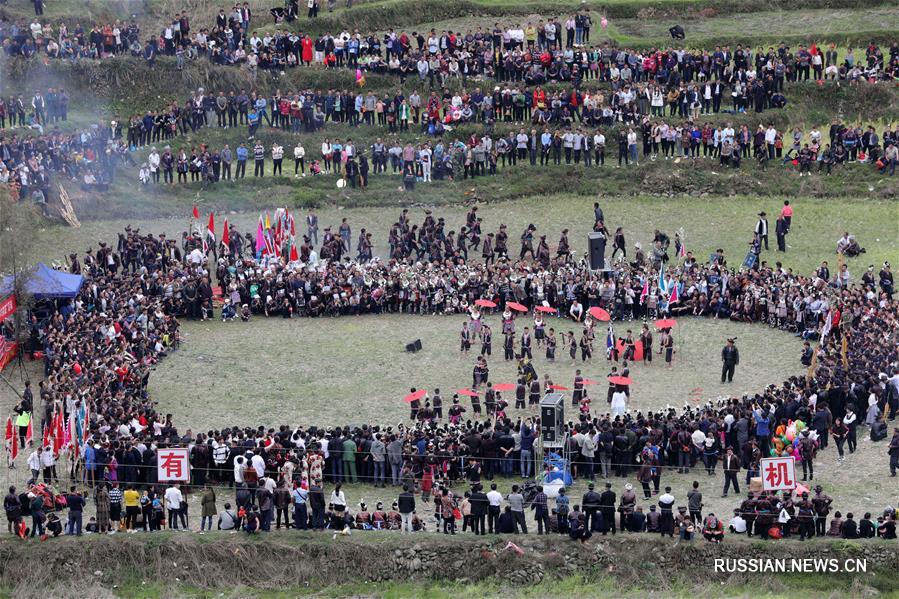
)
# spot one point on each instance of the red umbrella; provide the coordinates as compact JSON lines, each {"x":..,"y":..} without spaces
{"x":467,"y":392}
{"x":549,"y":309}
{"x":589,"y":382}
{"x":620,"y":380}
{"x":516,"y":306}
{"x":485,"y":303}
{"x":599,"y":314}
{"x":415,"y":395}
{"x":504,"y":386}
{"x":558,"y":388}
{"x":665,"y":323}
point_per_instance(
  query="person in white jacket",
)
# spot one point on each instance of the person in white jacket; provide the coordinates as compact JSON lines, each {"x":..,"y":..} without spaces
{"x":240,"y":464}
{"x":48,"y":463}
{"x":153,"y":162}
{"x":34,"y":464}
{"x":299,"y":160}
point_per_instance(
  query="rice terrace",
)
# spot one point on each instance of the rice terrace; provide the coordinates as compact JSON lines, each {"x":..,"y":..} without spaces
{"x":386,"y":298}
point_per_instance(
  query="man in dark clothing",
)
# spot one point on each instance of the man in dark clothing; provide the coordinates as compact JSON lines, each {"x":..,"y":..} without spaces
{"x":607,"y":506}
{"x":75,"y":503}
{"x":731,"y":467}
{"x":590,"y":502}
{"x":479,"y":505}
{"x":541,"y":511}
{"x":781,"y":229}
{"x":821,"y":502}
{"x":317,"y":504}
{"x":850,"y":528}
{"x":666,"y":520}
{"x":406,"y":506}
{"x":730,"y":357}
{"x":506,"y":523}
{"x":694,"y":504}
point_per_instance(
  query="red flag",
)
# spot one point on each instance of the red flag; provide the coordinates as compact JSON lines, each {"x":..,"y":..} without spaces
{"x":226,"y":237}
{"x":210,"y":228}
{"x":10,"y":439}
{"x":15,"y":447}
{"x":673,"y":298}
{"x":645,"y":291}
{"x":196,"y":213}
{"x":58,"y":432}
{"x":294,"y":257}
{"x":29,"y":434}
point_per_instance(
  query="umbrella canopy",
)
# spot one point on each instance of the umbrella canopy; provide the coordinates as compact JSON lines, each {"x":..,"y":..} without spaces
{"x":467,"y":392}
{"x":415,"y":395}
{"x":558,"y":388}
{"x":504,"y":386}
{"x":620,"y":380}
{"x":548,"y":309}
{"x":485,"y":303}
{"x":599,"y":314}
{"x":665,"y":323}
{"x":516,"y":306}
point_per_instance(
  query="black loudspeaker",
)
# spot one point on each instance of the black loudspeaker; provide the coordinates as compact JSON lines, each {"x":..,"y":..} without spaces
{"x":597,"y":243}
{"x":677,"y":32}
{"x":552,"y":419}
{"x":414,"y":346}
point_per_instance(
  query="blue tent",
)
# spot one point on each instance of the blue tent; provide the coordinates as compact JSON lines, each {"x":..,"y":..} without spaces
{"x":44,"y":282}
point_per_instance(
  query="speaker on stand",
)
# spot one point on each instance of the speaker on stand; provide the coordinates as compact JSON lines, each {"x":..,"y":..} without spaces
{"x":597,"y":243}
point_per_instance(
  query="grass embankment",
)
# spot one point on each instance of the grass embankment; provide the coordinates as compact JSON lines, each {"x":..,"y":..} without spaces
{"x":388,"y":565}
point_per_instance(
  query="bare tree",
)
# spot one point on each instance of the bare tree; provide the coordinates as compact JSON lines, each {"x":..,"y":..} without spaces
{"x":17,"y":224}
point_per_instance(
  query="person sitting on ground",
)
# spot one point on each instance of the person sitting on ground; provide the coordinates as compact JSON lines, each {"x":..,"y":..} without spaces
{"x":713,"y":529}
{"x":251,"y":525}
{"x":848,"y":245}
{"x":227,"y":518}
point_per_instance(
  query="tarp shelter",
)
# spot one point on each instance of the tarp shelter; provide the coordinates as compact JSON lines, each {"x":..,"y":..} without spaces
{"x":46,"y":283}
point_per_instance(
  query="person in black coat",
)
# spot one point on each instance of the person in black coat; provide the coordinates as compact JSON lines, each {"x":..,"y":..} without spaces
{"x":317,"y":504}
{"x":590,"y":501}
{"x":730,"y":357}
{"x":866,"y":528}
{"x":479,"y":505}
{"x":607,"y":507}
{"x":781,"y":229}
{"x":506,"y":523}
{"x":849,"y":528}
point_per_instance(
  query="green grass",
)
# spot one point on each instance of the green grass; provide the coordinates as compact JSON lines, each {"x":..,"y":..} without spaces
{"x":224,"y":364}
{"x":821,"y":25}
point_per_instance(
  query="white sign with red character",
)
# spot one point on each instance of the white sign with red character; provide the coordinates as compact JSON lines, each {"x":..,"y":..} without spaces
{"x":173,"y":465}
{"x":778,"y":474}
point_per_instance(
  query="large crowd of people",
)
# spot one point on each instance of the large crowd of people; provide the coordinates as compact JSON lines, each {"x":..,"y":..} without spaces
{"x":98,"y":349}
{"x":484,"y":154}
{"x":535,"y":52}
{"x":557,"y":97}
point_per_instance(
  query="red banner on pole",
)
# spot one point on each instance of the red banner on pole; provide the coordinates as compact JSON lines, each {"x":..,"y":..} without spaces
{"x":8,"y":351}
{"x":7,"y":307}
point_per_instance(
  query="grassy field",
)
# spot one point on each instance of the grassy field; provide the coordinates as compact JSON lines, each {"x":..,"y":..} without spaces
{"x":269,"y":371}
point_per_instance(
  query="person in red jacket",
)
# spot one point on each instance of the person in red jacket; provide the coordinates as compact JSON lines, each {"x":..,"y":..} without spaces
{"x":307,"y":45}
